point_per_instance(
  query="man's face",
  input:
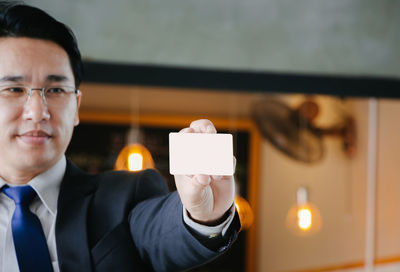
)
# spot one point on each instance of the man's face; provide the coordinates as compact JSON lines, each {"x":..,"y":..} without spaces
{"x":35,"y":134}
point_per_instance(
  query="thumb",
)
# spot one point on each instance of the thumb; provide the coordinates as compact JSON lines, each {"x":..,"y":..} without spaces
{"x":203,"y":180}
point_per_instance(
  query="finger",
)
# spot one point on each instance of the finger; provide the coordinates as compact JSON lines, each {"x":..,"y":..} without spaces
{"x":186,"y":130}
{"x":203,"y":179}
{"x":183,"y":181}
{"x":216,"y":177}
{"x":203,"y":126}
{"x":181,"y":177}
{"x":226,"y":177}
{"x":210,"y":129}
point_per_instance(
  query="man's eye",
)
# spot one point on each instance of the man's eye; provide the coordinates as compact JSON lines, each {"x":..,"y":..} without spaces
{"x":12,"y":91}
{"x":55,"y":90}
{"x":15,"y":90}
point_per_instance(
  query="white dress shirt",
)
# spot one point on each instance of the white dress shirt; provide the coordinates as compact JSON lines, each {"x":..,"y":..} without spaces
{"x":47,"y":187}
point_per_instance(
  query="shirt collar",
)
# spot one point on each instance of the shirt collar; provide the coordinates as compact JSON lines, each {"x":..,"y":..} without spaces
{"x":47,"y":185}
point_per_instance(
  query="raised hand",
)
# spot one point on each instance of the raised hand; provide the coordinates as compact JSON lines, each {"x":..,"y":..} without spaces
{"x":206,"y":198}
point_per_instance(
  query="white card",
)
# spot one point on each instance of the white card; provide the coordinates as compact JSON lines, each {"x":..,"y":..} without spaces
{"x":200,"y":153}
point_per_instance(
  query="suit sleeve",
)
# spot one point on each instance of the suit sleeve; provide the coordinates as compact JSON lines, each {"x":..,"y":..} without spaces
{"x":160,"y":235}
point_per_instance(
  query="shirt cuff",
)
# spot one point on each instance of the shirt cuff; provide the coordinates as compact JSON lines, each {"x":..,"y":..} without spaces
{"x":209,"y":231}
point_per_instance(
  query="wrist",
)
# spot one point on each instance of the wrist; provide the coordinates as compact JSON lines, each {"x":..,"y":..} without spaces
{"x":212,"y":222}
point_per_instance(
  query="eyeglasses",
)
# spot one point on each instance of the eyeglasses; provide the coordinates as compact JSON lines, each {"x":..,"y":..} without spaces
{"x":51,"y":95}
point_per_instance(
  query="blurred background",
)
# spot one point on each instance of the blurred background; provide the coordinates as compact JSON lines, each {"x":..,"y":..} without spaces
{"x":308,"y":88}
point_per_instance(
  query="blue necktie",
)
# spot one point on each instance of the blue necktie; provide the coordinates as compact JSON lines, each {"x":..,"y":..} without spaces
{"x":29,"y":240}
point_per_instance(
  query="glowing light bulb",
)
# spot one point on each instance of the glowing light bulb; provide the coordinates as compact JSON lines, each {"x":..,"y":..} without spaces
{"x":134,"y":157}
{"x":303,"y":217}
{"x":135,"y":162}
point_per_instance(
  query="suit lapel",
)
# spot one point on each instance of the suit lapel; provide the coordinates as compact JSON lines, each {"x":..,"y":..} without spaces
{"x":71,"y":225}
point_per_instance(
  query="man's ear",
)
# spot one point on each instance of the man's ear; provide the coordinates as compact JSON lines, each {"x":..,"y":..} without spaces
{"x":78,"y":103}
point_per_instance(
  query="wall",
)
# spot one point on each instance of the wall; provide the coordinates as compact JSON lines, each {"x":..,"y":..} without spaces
{"x":388,"y":175}
{"x":337,"y":187}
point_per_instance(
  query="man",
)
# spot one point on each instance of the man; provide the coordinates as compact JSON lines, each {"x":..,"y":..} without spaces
{"x":117,"y":221}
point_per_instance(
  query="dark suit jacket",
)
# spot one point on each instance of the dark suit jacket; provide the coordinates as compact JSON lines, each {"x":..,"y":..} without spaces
{"x":120,"y":221}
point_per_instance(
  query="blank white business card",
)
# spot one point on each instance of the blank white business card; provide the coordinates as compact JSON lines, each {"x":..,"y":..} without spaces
{"x":200,"y":153}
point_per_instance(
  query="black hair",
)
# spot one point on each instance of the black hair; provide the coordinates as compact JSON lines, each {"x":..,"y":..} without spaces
{"x":20,"y":20}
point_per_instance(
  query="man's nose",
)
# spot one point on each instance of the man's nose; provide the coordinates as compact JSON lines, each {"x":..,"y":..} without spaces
{"x":35,"y":107}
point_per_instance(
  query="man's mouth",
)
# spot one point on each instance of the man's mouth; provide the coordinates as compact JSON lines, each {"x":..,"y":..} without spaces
{"x":34,"y":137}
